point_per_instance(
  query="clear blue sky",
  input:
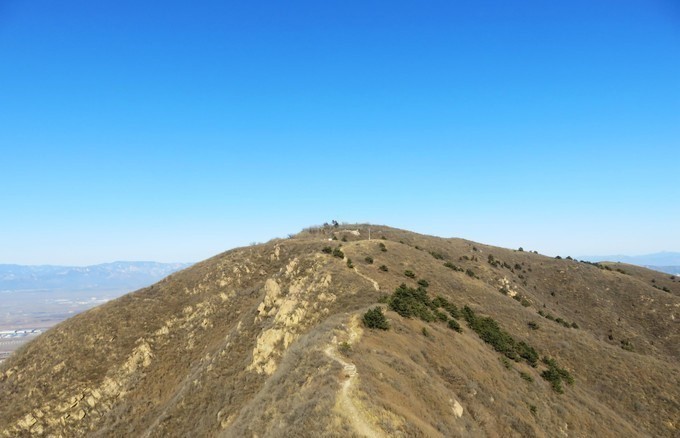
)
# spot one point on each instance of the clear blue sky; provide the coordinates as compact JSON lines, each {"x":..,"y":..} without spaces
{"x":172,"y":131}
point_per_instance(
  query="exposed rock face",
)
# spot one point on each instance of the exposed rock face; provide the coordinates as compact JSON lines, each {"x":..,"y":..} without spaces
{"x":268,"y":341}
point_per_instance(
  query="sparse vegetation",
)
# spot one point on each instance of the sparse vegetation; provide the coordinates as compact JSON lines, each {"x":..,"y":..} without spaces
{"x":556,"y":375}
{"x":337,"y":252}
{"x":526,"y":376}
{"x":344,"y":348}
{"x":369,"y":260}
{"x":349,"y":263}
{"x":327,"y":250}
{"x":409,"y":274}
{"x":437,"y":255}
{"x":382,"y":247}
{"x":471,"y":273}
{"x":533,"y":326}
{"x":626,"y":345}
{"x":383,"y":268}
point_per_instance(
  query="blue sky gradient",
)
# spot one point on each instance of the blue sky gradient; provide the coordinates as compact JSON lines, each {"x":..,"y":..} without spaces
{"x":175,"y":130}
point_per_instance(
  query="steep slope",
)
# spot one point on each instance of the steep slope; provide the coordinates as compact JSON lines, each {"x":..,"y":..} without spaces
{"x":268,"y":341}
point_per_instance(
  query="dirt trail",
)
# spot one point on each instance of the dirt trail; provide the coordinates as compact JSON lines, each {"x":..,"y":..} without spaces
{"x":345,"y":402}
{"x":376,"y":286}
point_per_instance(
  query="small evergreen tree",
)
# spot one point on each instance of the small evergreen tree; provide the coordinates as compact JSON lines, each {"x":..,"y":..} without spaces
{"x":375,"y":318}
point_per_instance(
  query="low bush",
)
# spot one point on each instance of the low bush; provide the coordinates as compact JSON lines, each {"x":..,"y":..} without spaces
{"x":349,"y":263}
{"x":337,"y":252}
{"x":369,"y":260}
{"x":327,"y":250}
{"x":491,"y":333}
{"x":409,"y":274}
{"x":526,"y":376}
{"x":453,"y":325}
{"x":383,"y":268}
{"x":454,"y":267}
{"x":423,"y":283}
{"x":382,"y":246}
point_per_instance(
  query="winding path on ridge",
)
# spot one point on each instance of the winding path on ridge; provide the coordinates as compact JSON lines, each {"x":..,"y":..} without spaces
{"x":345,"y":403}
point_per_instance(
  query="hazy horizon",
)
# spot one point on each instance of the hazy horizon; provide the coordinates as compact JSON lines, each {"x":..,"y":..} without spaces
{"x":176,"y":131}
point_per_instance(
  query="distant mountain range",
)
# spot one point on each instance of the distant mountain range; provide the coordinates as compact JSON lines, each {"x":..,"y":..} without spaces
{"x":668,"y":262}
{"x":116,"y":275}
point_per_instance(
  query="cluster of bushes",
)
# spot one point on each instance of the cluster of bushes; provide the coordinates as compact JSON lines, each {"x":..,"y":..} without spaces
{"x":415,"y":303}
{"x":556,"y":375}
{"x":491,"y":333}
{"x":454,"y":267}
{"x":336,"y":252}
{"x":471,"y":273}
{"x":501,"y":264}
{"x":665,"y":289}
{"x":558,"y":320}
{"x":468,"y":258}
{"x":409,"y":274}
{"x":411,"y":302}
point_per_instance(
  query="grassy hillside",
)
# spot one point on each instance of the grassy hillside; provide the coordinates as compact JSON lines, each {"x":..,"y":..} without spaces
{"x":269,"y":340}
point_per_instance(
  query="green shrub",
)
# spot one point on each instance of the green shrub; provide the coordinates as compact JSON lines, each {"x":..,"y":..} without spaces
{"x":423,"y":283}
{"x":369,"y":260}
{"x":532,"y":325}
{"x":441,"y":316}
{"x":383,"y":268}
{"x":337,"y":252}
{"x":426,"y":332}
{"x":344,"y":239}
{"x":349,"y":263}
{"x":555,"y":375}
{"x":409,"y":274}
{"x":626,"y":345}
{"x":574,"y":325}
{"x":453,"y":325}
{"x":344,"y":348}
{"x":327,"y":250}
{"x":491,"y":333}
{"x":454,"y":267}
{"x":526,"y":376}
{"x":375,"y":319}
{"x":449,"y":307}
{"x":471,"y":273}
{"x":437,"y":255}
{"x":533,"y":409}
{"x":409,"y":302}
{"x":382,"y":246}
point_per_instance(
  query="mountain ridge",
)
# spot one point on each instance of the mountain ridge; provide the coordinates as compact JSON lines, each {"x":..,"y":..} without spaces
{"x":267,"y":340}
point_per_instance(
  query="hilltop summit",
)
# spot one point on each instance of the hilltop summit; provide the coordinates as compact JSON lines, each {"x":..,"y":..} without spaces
{"x":276,"y":340}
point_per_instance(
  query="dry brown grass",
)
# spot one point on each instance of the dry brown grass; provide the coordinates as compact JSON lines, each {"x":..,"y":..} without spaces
{"x":179,"y":353}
